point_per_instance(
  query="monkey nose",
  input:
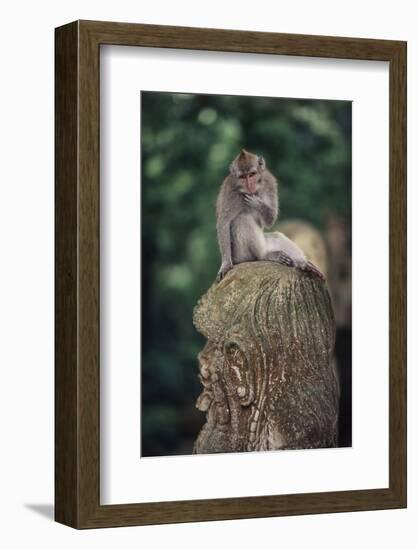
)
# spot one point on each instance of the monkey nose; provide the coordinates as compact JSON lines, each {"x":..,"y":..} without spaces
{"x":250,"y":185}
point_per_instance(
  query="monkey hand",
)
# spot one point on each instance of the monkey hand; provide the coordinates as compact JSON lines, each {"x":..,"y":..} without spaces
{"x":224,"y":269}
{"x":252,"y":200}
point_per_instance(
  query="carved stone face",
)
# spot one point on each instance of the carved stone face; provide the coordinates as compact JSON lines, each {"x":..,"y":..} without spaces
{"x":268,"y":382}
{"x":227,"y":396}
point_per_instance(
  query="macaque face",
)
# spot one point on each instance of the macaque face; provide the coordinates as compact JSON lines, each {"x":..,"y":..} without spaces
{"x":247,"y":169}
{"x":249,"y":180}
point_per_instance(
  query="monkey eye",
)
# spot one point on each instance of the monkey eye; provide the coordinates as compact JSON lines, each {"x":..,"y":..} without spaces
{"x":252,"y":174}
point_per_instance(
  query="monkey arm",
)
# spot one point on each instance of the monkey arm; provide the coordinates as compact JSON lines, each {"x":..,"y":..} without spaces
{"x":228,"y":206}
{"x":268,"y":211}
{"x":224,"y":238}
{"x":269,"y":214}
{"x":223,"y":235}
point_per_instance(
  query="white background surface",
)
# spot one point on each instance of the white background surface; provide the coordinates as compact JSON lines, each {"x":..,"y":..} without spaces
{"x":26,"y":295}
{"x":124,"y":477}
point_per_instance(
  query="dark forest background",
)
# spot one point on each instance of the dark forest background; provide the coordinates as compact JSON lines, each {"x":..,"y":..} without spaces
{"x":188,"y":142}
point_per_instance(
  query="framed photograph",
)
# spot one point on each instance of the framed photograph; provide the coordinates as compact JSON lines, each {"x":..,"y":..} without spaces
{"x":230,"y":274}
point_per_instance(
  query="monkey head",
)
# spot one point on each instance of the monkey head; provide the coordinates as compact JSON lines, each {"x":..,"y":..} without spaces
{"x":246,"y":170}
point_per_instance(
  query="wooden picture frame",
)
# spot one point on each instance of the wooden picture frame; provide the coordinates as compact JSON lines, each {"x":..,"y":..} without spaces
{"x":77,"y":373}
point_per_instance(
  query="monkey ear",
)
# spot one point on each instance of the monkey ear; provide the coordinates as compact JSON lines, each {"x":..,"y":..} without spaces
{"x":232,"y":169}
{"x":261,"y":163}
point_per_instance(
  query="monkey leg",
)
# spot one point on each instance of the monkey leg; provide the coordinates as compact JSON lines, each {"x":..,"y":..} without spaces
{"x":248,"y":240}
{"x":279,"y":248}
{"x":278,"y":242}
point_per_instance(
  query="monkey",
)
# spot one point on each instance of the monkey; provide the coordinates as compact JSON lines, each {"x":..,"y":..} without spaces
{"x":247,"y":203}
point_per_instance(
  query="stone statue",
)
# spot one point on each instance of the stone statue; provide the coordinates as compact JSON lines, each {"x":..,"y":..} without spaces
{"x":267,"y":371}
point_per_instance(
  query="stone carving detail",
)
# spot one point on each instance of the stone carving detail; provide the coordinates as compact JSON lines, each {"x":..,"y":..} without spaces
{"x":266,"y":370}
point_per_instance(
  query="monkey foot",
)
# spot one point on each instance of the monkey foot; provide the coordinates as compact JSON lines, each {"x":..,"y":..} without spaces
{"x":311,"y":268}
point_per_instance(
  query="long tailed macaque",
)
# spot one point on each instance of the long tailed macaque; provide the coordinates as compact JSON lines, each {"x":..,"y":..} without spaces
{"x":247,"y":203}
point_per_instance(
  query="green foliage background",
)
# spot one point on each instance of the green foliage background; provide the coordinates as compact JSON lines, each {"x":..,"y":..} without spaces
{"x":188,"y":142}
